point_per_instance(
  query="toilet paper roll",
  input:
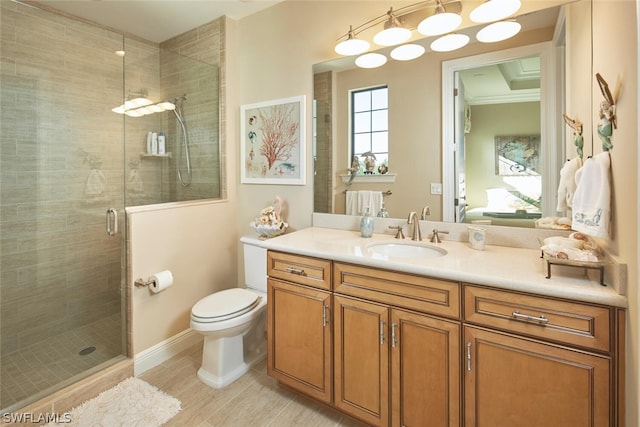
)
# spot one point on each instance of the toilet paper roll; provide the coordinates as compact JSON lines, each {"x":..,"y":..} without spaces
{"x":161,"y":281}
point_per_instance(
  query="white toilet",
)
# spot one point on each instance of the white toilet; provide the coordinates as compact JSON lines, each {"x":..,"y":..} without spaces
{"x":233,"y":322}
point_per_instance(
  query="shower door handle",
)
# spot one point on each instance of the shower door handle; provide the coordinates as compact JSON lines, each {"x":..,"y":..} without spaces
{"x":112,"y":222}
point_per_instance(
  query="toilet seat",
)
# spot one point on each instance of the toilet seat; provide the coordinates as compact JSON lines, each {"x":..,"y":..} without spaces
{"x":224,"y":305}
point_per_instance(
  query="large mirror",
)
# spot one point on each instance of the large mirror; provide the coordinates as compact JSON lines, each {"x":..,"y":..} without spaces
{"x":422,"y":170}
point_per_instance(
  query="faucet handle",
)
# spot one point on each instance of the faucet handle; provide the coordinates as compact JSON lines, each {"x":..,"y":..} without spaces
{"x":435,"y":237}
{"x":399,"y":234}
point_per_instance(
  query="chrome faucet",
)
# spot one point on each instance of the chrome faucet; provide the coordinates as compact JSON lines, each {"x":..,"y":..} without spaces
{"x":413,"y":219}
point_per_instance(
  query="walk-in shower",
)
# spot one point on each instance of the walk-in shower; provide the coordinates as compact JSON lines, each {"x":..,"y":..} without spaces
{"x":67,"y":162}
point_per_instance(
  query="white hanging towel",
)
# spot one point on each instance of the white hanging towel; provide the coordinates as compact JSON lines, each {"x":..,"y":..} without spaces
{"x":369,"y":200}
{"x":567,"y":184}
{"x":592,"y":198}
{"x":352,"y":203}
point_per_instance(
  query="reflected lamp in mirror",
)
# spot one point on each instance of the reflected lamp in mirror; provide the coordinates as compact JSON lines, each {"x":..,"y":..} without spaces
{"x":498,"y":31}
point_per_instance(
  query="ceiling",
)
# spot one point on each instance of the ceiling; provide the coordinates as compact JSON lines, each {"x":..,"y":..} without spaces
{"x":157,"y":20}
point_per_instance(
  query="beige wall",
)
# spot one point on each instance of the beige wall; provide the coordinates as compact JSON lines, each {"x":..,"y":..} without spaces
{"x":615,"y":57}
{"x":278,"y":47}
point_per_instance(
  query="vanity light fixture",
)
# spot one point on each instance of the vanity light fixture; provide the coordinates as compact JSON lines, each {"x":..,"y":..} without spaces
{"x":407,"y":52}
{"x":394,"y":33}
{"x":441,"y":22}
{"x":449,"y":42}
{"x":498,"y":31}
{"x":494,"y":10}
{"x":371,"y":60}
{"x":399,"y":23}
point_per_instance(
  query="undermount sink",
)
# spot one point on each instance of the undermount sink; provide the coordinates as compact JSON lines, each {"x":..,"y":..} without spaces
{"x":406,"y":250}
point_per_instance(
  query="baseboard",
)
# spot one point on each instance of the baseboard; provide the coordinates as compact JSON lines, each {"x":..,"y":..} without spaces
{"x":153,"y":356}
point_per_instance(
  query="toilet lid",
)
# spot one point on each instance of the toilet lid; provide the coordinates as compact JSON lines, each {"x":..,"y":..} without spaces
{"x":225,"y":304}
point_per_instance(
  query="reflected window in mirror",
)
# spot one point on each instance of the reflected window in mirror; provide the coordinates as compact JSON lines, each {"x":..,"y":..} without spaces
{"x":369,"y":129}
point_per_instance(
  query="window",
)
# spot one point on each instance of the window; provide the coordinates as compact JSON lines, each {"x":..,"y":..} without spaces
{"x":370,"y":124}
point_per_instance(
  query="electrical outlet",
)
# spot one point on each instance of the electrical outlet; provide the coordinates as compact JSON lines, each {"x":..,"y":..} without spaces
{"x":436,"y":188}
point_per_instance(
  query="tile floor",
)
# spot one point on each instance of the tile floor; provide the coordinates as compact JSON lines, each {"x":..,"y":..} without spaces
{"x":56,"y":360}
{"x":253,"y":400}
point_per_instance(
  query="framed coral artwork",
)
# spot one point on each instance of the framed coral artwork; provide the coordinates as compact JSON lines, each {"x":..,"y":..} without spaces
{"x":272,"y":145}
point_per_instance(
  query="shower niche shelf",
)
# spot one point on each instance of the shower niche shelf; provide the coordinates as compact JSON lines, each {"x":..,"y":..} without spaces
{"x":155,"y":156}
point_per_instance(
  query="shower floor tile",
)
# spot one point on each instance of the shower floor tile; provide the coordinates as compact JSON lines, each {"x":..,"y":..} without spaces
{"x":30,"y":371}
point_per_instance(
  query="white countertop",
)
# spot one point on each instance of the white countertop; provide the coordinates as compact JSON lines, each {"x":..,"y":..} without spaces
{"x":499,"y":266}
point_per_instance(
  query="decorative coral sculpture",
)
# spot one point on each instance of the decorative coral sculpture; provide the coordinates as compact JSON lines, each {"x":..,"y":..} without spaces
{"x":270,"y":223}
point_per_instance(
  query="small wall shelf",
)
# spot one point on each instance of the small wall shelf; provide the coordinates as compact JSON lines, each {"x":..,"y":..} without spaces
{"x":387,"y":178}
{"x":161,"y":156}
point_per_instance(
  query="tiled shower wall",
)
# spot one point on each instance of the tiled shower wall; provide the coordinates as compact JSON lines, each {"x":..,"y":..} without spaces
{"x":190,"y":65}
{"x":185,"y":65}
{"x":61,"y":168}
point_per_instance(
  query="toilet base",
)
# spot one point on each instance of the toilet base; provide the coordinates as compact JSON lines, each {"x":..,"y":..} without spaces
{"x":226,"y":359}
{"x":216,"y":381}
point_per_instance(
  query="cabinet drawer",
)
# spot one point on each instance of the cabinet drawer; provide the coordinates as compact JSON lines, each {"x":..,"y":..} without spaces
{"x":299,"y":269}
{"x":563,"y":321}
{"x":418,"y":293}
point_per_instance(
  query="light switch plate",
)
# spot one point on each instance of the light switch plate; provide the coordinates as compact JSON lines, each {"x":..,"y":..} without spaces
{"x":436,"y":188}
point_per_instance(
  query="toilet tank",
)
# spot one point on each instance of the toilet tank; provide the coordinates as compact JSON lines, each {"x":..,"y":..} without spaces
{"x":255,"y":264}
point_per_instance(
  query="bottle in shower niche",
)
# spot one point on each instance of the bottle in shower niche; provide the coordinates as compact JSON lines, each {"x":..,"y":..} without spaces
{"x":149,"y":137}
{"x":366,"y":225}
{"x":154,"y":143}
{"x":162,"y":148}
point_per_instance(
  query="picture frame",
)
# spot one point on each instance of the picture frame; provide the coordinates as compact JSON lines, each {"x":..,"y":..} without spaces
{"x":272,"y":143}
{"x":517,"y":155}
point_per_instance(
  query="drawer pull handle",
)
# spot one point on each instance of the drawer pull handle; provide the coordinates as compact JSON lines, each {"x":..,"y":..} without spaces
{"x":298,"y":271}
{"x":528,"y":318}
{"x":394,"y":338}
{"x":382,"y":326}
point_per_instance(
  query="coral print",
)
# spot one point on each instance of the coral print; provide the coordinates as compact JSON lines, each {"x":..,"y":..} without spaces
{"x":273,"y":142}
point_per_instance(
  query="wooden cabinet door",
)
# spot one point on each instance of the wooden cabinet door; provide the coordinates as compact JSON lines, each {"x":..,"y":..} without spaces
{"x":361,"y":362}
{"x":425,"y":370}
{"x":299,"y":338}
{"x":511,"y":381}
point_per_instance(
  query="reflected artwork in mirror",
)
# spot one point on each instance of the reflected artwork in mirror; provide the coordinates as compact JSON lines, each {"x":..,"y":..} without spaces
{"x":419,"y":158}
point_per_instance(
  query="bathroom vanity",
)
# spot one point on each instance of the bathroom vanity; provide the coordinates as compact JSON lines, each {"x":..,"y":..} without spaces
{"x":462,"y":337}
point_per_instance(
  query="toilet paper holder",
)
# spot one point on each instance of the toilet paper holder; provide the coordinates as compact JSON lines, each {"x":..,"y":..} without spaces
{"x":142,"y":282}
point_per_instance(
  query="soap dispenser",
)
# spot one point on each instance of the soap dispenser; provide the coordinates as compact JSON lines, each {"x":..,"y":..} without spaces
{"x":366,"y":225}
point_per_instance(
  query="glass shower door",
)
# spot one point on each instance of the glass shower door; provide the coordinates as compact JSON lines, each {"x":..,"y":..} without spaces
{"x":62,"y":187}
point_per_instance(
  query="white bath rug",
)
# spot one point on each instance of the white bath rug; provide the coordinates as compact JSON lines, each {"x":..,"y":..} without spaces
{"x":132,"y":402}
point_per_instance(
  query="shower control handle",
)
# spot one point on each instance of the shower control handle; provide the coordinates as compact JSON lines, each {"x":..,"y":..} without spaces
{"x":112,"y":222}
